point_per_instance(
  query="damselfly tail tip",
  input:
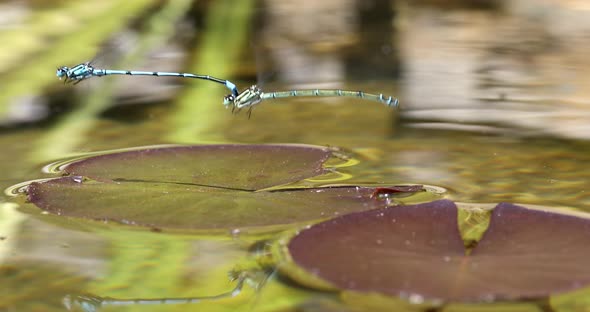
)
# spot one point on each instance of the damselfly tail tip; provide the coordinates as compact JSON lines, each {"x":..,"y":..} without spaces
{"x":232,"y":87}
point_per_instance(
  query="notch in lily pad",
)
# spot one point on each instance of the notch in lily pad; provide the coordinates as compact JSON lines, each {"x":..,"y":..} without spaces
{"x":417,"y":252}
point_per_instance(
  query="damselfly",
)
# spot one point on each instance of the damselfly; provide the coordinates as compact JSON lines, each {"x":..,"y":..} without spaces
{"x":254,"y":95}
{"x":84,"y":71}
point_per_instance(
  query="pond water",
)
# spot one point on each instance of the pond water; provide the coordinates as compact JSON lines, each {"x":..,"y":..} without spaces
{"x":495,"y":107}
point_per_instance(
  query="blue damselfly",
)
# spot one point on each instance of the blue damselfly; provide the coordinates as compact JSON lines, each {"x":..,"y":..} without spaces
{"x":84,"y":71}
{"x":254,"y":95}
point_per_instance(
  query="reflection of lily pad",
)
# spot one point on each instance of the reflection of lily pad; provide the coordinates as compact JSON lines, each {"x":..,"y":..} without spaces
{"x":200,"y":187}
{"x":417,"y":252}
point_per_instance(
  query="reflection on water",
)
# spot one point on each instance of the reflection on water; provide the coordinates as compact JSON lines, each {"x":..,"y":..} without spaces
{"x":495,"y":107}
{"x":501,"y":73}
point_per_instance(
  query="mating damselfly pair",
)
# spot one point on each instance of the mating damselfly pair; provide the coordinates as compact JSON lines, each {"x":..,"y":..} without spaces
{"x":236,"y":100}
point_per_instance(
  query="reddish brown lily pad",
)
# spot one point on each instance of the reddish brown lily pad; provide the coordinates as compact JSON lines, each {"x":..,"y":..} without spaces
{"x":417,"y":252}
{"x":200,"y":187}
{"x":244,"y":167}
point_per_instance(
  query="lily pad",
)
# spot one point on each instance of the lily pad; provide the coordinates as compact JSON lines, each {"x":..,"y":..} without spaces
{"x":417,"y":252}
{"x":201,"y":187}
{"x":244,"y":167}
{"x":194,"y":207}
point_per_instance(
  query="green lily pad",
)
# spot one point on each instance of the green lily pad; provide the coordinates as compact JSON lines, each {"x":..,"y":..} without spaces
{"x":417,"y":252}
{"x":194,"y":207}
{"x":202,"y":187}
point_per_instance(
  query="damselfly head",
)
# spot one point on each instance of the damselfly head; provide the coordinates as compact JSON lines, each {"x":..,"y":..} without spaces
{"x":228,"y":100}
{"x":62,"y":72}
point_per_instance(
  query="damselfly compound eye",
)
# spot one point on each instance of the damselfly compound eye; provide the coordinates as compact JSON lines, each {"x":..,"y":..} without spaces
{"x":228,"y":100}
{"x":61,"y":72}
